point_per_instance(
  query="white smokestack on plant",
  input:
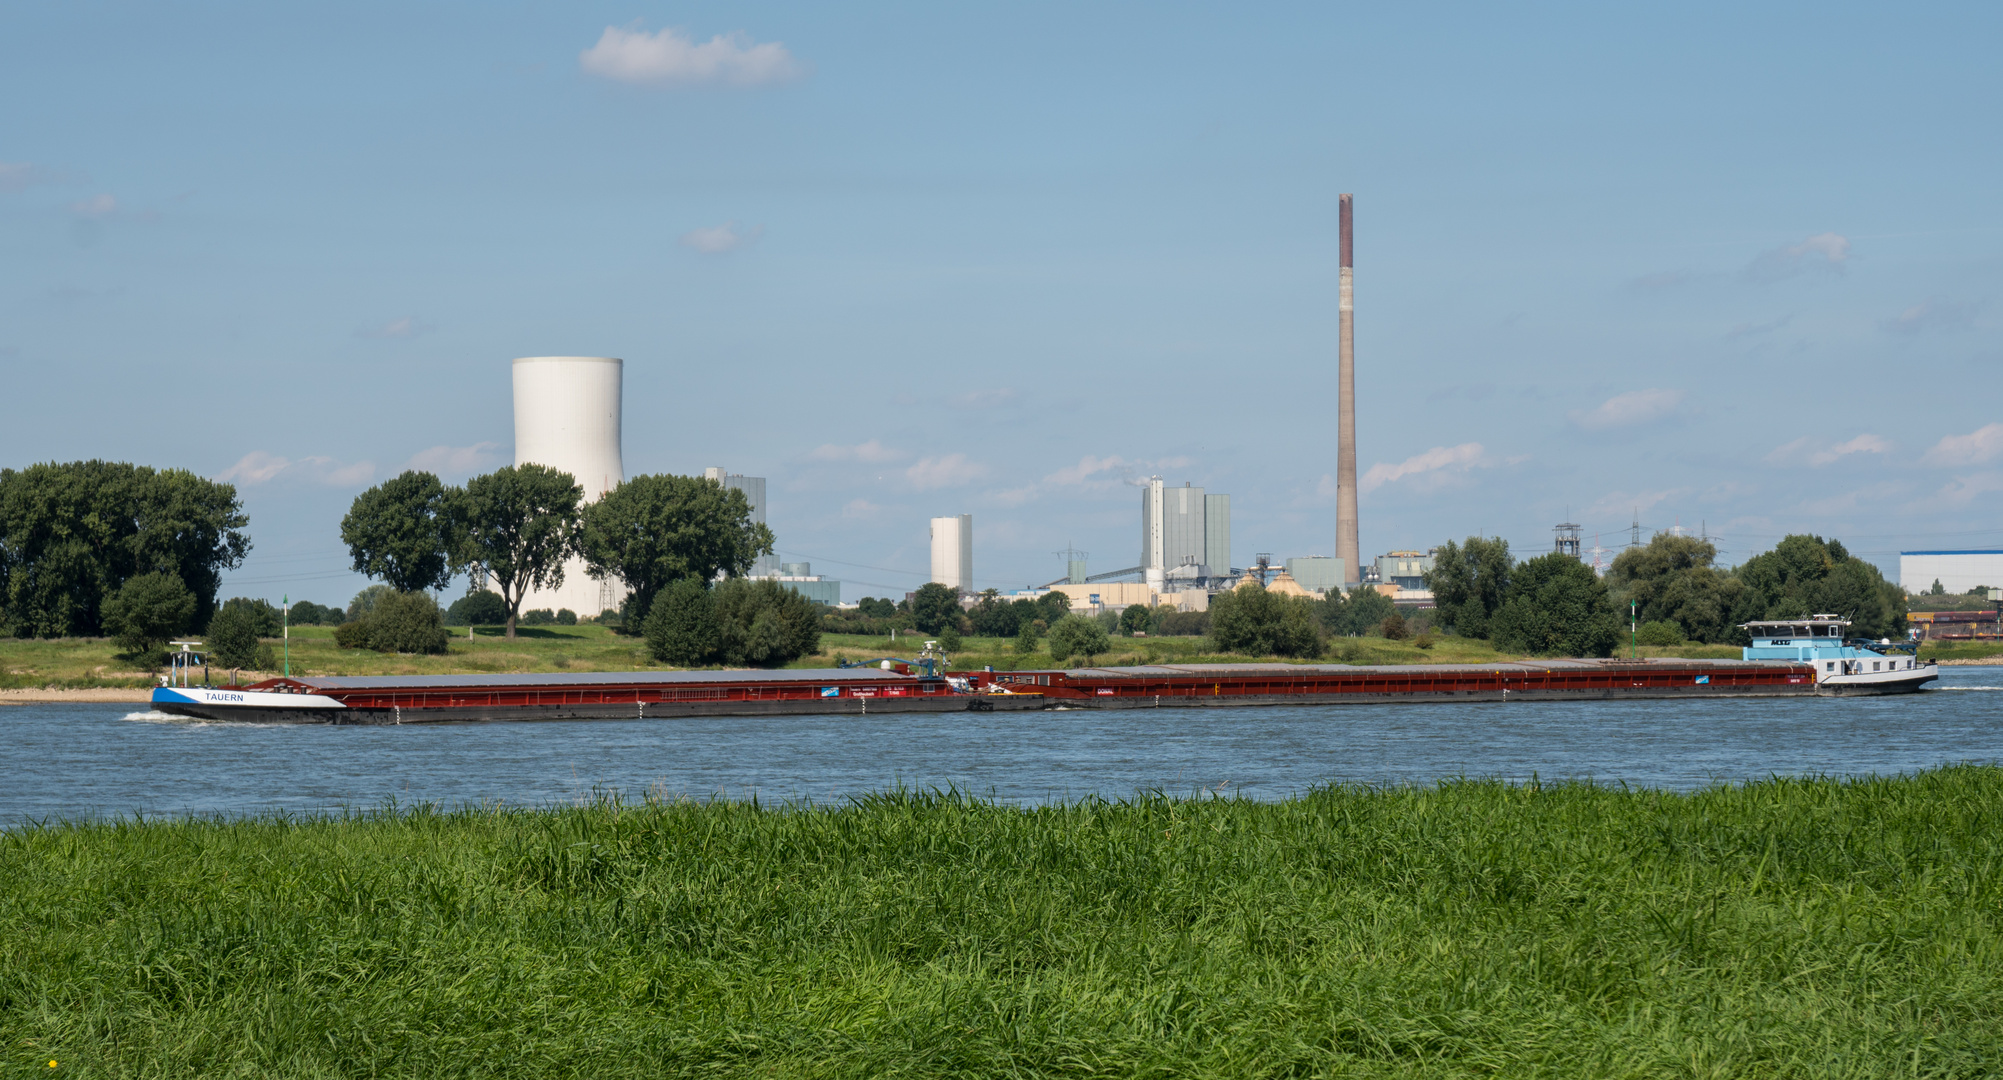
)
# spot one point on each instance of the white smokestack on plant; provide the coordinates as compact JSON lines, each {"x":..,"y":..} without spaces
{"x":953,"y":551}
{"x":567,"y":417}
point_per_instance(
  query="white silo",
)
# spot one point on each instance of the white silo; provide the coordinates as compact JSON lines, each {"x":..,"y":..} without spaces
{"x":953,"y":551}
{"x":567,"y":417}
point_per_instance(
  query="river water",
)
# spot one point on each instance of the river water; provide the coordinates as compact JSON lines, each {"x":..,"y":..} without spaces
{"x":74,"y":761}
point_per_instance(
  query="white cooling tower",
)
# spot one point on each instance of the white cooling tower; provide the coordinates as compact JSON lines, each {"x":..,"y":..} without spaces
{"x":567,"y":417}
{"x":953,"y":551}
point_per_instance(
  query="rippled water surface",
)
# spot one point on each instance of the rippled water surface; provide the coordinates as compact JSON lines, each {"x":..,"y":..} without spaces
{"x":94,"y":760}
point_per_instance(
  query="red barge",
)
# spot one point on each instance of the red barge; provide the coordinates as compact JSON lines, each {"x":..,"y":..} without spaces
{"x":407,"y":699}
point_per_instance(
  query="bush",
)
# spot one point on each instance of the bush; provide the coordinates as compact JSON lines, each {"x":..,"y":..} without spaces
{"x":1393,"y":627}
{"x":1555,"y":605}
{"x":1076,"y":635}
{"x":1137,"y":619}
{"x":949,"y":640}
{"x":872,"y":608}
{"x":147,"y":611}
{"x":478,"y":608}
{"x":397,"y":622}
{"x":1183,"y":623}
{"x":764,"y":623}
{"x":1254,"y":622}
{"x":935,"y":607}
{"x":232,"y":636}
{"x":1423,"y":641}
{"x":268,"y":620}
{"x":681,"y":625}
{"x":1027,"y":636}
{"x":566,"y":617}
{"x":541,"y":616}
{"x":1660,"y":632}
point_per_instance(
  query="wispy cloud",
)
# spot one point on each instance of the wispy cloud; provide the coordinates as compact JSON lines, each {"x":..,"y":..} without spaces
{"x":873,"y":452}
{"x":1755,"y":329}
{"x":1981,"y":445}
{"x":20,"y":176}
{"x":1823,"y":251}
{"x":1931,"y":314}
{"x":1632,"y":408}
{"x":263,"y":467}
{"x":1435,"y":466}
{"x":1807,"y":451}
{"x":951,"y":470}
{"x":1962,"y":491}
{"x":454,"y":461}
{"x":1089,"y":468}
{"x":861,"y":509}
{"x":984,"y":399}
{"x":95,"y":208}
{"x":670,"y":57}
{"x":718,"y":239}
{"x":396,"y":329}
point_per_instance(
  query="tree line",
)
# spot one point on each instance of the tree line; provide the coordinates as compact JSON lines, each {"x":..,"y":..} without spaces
{"x":1555,"y":604}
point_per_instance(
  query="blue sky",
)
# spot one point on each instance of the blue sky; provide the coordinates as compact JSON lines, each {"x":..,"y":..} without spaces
{"x":1737,"y":267}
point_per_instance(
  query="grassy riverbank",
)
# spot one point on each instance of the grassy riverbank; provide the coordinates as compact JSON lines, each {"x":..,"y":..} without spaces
{"x":89,"y":663}
{"x":1791,"y":928}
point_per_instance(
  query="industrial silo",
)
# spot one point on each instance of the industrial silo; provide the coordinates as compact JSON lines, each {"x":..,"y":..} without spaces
{"x":567,"y":417}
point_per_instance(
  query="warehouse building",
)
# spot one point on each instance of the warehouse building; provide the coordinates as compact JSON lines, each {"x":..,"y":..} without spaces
{"x":1957,"y":571}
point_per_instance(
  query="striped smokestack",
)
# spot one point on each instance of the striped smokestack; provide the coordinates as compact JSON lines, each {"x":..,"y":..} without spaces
{"x":1346,"y":547}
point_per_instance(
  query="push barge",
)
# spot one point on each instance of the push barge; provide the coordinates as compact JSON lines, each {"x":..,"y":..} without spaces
{"x":408,"y":699}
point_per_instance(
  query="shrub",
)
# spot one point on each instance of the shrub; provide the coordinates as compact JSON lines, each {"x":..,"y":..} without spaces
{"x":147,"y":611}
{"x":681,"y":625}
{"x":1027,"y":637}
{"x":479,"y":608}
{"x":1137,"y":619}
{"x":1423,"y":641}
{"x":1555,"y":605}
{"x":366,"y":600}
{"x":1076,"y":635}
{"x":1254,"y":622}
{"x":949,"y":640}
{"x":541,"y":616}
{"x":1183,"y":623}
{"x":268,"y":620}
{"x":397,"y":622}
{"x":232,"y":636}
{"x":1393,"y":627}
{"x":566,"y":617}
{"x":764,"y":623}
{"x":308,"y":613}
{"x":1660,"y":632}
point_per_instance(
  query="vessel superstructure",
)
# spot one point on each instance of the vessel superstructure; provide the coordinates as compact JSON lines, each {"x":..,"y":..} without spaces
{"x":1842,"y":664}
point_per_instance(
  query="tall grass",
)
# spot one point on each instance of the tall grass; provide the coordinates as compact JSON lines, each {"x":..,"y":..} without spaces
{"x":1810,"y":928}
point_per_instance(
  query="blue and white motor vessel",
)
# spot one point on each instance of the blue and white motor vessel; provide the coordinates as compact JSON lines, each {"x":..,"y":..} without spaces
{"x":1843,"y":664}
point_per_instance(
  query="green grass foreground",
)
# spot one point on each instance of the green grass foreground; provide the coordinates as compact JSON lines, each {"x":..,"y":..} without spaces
{"x":1810,"y":928}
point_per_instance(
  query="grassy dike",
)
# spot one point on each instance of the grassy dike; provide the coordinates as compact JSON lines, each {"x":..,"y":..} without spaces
{"x":1794,"y":928}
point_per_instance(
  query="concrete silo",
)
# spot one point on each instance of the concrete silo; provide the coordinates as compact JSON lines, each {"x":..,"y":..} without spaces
{"x":953,"y":551}
{"x":567,"y":411}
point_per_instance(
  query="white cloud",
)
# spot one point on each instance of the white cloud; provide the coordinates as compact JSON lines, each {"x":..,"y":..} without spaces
{"x":19,"y":176}
{"x":95,"y":208}
{"x":1437,"y":463}
{"x":453,"y":461}
{"x":671,"y":57}
{"x":861,"y":509}
{"x":1806,"y":451}
{"x":719,"y":239}
{"x":1963,"y":490}
{"x":1931,"y":315}
{"x":395,"y":329}
{"x":263,"y":467}
{"x":1633,"y":407}
{"x":1823,"y":250}
{"x":952,"y":470}
{"x":1983,"y":444}
{"x":872,"y":451}
{"x":1089,"y":467}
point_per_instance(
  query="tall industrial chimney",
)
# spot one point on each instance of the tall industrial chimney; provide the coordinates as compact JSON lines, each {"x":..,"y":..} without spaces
{"x":1346,"y":547}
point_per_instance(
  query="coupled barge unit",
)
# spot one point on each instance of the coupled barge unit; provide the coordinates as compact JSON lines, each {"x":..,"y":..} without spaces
{"x":406,"y":699}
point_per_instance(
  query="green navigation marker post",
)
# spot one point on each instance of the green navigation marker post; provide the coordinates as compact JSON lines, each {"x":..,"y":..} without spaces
{"x":285,"y":605}
{"x":1633,"y":650}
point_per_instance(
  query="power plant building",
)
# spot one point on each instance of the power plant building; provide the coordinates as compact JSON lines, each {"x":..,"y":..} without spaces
{"x":953,"y":552}
{"x":567,"y":415}
{"x":1405,"y":569}
{"x":1957,"y":571}
{"x":1185,"y":534}
{"x":1317,"y":573}
{"x":753,"y":488}
{"x":800,"y":578}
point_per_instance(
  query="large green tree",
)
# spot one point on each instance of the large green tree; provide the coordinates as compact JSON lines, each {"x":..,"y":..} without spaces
{"x":1555,"y":605}
{"x":1255,"y":622}
{"x":681,"y":625}
{"x":1806,"y":575}
{"x":519,"y":523}
{"x":400,"y":531}
{"x":147,"y":610}
{"x":1468,"y":581}
{"x":653,"y":530}
{"x":1357,"y":613}
{"x":72,"y":534}
{"x":1672,"y":580}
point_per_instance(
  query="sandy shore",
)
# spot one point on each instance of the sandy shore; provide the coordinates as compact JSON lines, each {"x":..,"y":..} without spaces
{"x":23,"y":697}
{"x":1986,"y":661}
